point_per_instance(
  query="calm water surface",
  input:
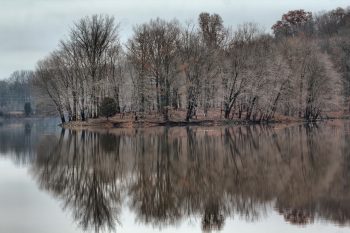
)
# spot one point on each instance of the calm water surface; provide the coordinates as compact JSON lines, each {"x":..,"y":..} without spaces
{"x":194,"y":179}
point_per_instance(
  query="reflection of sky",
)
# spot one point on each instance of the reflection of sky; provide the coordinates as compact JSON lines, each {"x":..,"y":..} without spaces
{"x":25,"y":208}
{"x":30,"y":29}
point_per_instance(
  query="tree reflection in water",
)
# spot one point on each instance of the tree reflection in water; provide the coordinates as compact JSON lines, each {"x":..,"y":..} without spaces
{"x":83,"y":171}
{"x":170,"y":174}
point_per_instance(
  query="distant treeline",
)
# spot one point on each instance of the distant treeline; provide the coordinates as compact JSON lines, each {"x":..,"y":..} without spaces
{"x":15,"y":92}
{"x":301,"y":70}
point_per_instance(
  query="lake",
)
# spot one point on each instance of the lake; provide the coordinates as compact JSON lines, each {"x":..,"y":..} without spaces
{"x":259,"y":178}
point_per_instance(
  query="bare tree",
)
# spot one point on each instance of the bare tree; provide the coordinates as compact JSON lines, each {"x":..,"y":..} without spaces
{"x":152,"y":51}
{"x":47,"y":81}
{"x":75,"y":75}
{"x":94,"y":36}
{"x":236,"y":72}
{"x":192,"y":56}
{"x":138,"y":59}
{"x":214,"y":36}
{"x":162,"y":63}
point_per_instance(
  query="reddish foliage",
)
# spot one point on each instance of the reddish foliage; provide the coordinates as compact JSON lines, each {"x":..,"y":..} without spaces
{"x":292,"y":19}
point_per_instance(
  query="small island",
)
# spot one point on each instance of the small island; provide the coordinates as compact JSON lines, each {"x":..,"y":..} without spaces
{"x":206,"y":73}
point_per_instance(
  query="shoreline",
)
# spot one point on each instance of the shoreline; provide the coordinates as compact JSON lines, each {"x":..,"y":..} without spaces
{"x":113,"y":124}
{"x":128,"y":122}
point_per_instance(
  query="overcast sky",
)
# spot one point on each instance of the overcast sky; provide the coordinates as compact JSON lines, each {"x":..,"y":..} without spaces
{"x":30,"y":29}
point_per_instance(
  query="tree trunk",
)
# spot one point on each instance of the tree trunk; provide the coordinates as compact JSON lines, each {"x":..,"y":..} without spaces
{"x":157,"y":91}
{"x":191,"y":103}
{"x":250,"y":108}
{"x":63,"y":119}
{"x":116,"y":96}
{"x":74,"y":115}
{"x":301,"y":96}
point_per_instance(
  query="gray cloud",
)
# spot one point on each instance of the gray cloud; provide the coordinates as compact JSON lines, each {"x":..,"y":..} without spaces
{"x":30,"y":29}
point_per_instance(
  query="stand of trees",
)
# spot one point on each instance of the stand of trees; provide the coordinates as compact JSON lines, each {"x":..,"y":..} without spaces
{"x":167,"y":67}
